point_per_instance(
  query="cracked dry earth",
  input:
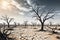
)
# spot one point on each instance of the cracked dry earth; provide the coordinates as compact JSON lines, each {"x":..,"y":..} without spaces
{"x":32,"y":34}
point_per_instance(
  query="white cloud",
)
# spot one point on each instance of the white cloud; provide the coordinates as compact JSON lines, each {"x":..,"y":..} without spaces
{"x":28,"y":1}
{"x":21,"y":13}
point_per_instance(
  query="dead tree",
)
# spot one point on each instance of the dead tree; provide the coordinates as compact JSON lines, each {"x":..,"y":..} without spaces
{"x":4,"y":33}
{"x":50,"y":23}
{"x":15,"y":25}
{"x":43,"y":16}
{"x":25,"y":23}
{"x":34,"y":23}
{"x":7,"y":20}
{"x":19,"y":24}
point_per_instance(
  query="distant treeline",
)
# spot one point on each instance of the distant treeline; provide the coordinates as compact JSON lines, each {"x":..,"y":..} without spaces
{"x":28,"y":25}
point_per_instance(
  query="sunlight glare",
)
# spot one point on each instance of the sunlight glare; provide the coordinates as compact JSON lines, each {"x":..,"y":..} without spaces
{"x":5,"y":4}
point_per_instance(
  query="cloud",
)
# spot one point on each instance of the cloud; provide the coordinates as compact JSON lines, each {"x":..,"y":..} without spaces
{"x":21,"y":7}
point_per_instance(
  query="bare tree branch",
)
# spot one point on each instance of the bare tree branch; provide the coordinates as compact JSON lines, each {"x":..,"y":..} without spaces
{"x":49,"y":17}
{"x":40,"y":17}
{"x":11,"y":19}
{"x":50,"y":11}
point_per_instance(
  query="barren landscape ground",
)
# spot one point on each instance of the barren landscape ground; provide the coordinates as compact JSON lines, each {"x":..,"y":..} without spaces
{"x":32,"y":33}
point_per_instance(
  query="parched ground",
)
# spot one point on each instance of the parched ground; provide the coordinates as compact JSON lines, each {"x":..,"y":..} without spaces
{"x":32,"y":34}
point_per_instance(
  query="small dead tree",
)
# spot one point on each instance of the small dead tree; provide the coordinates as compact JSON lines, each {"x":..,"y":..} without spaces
{"x":34,"y":23}
{"x":19,"y":24}
{"x":43,"y":16}
{"x":7,"y":19}
{"x":50,"y":23}
{"x":25,"y":23}
{"x":15,"y":25}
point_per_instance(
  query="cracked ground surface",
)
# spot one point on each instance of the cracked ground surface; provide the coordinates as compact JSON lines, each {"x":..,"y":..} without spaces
{"x":32,"y":34}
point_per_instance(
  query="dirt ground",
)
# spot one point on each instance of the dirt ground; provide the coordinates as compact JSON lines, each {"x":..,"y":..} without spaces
{"x":32,"y":34}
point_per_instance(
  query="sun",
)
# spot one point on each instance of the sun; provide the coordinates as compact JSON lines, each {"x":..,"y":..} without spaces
{"x":5,"y":4}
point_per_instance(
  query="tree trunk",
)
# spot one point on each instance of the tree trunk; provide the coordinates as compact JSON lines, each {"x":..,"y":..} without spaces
{"x":42,"y":26}
{"x":8,"y":25}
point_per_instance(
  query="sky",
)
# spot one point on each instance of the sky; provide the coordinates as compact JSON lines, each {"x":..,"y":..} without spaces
{"x":20,"y":9}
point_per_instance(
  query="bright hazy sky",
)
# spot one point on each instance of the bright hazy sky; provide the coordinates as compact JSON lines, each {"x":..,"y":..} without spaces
{"x":19,"y":9}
